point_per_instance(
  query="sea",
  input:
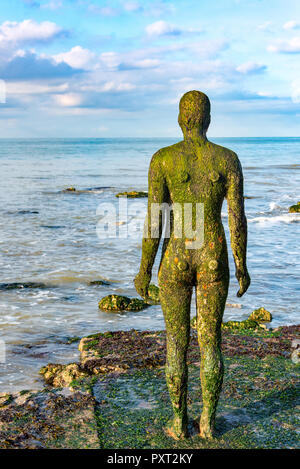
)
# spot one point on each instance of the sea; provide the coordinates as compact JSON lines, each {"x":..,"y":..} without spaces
{"x":57,"y":238}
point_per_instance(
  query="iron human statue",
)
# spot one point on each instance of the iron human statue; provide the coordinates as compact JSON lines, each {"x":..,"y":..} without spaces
{"x":193,"y":171}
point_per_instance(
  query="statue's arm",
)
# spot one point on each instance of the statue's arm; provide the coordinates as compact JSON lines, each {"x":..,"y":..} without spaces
{"x":157,"y":191}
{"x":237,"y":223}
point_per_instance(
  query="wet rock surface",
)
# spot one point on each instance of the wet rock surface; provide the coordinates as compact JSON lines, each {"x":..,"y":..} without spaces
{"x":48,"y":419}
{"x":133,"y":194}
{"x":117,"y":303}
{"x":295,"y":208}
{"x":21,"y":285}
{"x":261,"y":315}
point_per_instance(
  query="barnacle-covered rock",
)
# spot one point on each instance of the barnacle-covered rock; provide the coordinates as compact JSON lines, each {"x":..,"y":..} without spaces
{"x":133,"y":194}
{"x":70,"y":189}
{"x":261,"y":315}
{"x":61,"y":375}
{"x":117,"y":303}
{"x":295,"y":208}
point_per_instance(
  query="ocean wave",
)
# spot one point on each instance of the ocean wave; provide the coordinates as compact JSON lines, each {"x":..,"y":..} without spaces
{"x":286,"y":218}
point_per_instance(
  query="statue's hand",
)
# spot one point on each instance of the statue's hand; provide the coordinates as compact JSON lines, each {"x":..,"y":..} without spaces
{"x":141,"y":283}
{"x":244,"y":281}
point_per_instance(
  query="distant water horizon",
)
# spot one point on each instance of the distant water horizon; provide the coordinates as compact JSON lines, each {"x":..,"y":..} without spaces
{"x":49,"y":236}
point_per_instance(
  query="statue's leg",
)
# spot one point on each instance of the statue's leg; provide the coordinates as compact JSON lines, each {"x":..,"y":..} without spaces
{"x":175,"y":301}
{"x":211,"y":299}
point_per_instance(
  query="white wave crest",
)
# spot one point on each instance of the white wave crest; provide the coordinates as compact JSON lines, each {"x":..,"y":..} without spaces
{"x":286,"y":218}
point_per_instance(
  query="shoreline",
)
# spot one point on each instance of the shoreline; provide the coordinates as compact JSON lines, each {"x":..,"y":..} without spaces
{"x":120,"y":378}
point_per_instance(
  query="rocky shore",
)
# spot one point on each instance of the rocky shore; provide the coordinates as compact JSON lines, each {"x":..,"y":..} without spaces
{"x":116,"y":397}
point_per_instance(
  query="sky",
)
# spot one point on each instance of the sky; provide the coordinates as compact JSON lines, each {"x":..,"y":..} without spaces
{"x":92,"y":68}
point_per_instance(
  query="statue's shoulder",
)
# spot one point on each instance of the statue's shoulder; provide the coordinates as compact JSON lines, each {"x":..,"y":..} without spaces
{"x":230,"y":157}
{"x":165,"y":153}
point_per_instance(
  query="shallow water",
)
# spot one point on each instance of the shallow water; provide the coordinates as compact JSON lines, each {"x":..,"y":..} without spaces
{"x":49,"y":236}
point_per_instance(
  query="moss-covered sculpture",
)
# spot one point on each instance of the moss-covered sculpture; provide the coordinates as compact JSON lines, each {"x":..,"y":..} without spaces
{"x":295,"y":208}
{"x":132,"y":194}
{"x":153,"y":294}
{"x":195,"y":170}
{"x":117,"y":303}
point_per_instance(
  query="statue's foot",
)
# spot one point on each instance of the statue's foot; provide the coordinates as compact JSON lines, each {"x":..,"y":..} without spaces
{"x":176,"y":429}
{"x":207,"y":432}
{"x":207,"y":426}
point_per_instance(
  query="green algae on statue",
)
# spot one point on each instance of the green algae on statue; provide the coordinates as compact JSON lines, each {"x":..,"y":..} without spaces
{"x":194,"y":171}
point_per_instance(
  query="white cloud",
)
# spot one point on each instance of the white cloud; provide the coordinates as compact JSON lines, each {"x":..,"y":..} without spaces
{"x":110,"y":59}
{"x":68,"y":99}
{"x":266,"y":26}
{"x":146,"y":63}
{"x":132,"y":6}
{"x":291,"y":25}
{"x":52,"y":5}
{"x":19,"y":88}
{"x":104,"y":11}
{"x":27,"y":31}
{"x":162,"y":28}
{"x":112,"y":86}
{"x":289,"y":46}
{"x":77,"y":57}
{"x":251,"y":67}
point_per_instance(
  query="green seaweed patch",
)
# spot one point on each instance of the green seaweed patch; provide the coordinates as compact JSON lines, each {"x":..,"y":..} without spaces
{"x":247,"y":324}
{"x":261,"y":315}
{"x":295,"y":208}
{"x":240,"y":325}
{"x":133,"y":194}
{"x":71,"y":340}
{"x":256,"y":408}
{"x":116,"y":303}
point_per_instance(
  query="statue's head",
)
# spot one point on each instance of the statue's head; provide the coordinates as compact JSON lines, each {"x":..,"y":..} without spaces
{"x":194,"y":112}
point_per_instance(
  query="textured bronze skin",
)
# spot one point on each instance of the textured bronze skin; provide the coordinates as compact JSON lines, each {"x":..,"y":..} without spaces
{"x":195,"y":170}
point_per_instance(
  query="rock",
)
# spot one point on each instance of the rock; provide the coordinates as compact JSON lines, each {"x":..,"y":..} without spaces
{"x":295,"y":208}
{"x":61,"y":375}
{"x":70,"y":189}
{"x":133,"y":194}
{"x":247,"y":324}
{"x":116,"y":303}
{"x":49,"y":419}
{"x":21,"y":285}
{"x":98,"y":282}
{"x":5,"y":399}
{"x":52,"y":227}
{"x":261,"y":315}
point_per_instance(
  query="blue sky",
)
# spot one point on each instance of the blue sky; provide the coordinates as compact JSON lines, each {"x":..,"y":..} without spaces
{"x":92,"y":68}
